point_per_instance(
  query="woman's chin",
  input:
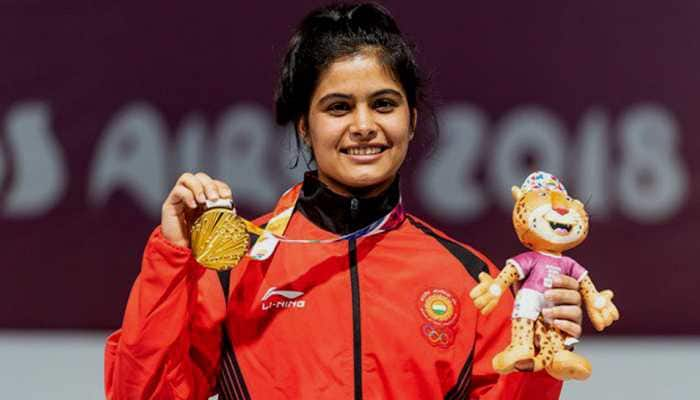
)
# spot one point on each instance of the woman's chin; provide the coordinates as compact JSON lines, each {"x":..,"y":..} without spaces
{"x":361,"y":183}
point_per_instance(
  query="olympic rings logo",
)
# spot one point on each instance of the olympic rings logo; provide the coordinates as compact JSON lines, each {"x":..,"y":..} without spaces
{"x":436,"y":336}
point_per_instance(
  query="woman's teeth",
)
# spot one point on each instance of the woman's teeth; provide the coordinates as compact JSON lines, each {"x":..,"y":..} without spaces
{"x":364,"y":151}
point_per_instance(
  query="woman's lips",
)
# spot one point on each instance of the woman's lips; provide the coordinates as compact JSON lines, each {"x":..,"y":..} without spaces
{"x":364,"y":154}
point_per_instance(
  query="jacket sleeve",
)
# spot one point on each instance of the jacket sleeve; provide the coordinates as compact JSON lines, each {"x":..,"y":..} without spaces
{"x":492,"y":336}
{"x":169,"y":344}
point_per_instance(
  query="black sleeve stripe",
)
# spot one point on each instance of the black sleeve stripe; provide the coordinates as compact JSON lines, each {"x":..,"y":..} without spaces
{"x":471,"y":263}
{"x":459,"y":390}
{"x":231,"y":385}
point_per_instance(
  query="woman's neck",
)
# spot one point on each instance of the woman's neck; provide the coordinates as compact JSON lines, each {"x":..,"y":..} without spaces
{"x":339,"y":213}
{"x":361,"y":192}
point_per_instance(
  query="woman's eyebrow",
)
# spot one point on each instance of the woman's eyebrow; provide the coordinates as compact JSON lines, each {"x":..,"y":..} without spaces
{"x":335,"y":95}
{"x":387,"y":92}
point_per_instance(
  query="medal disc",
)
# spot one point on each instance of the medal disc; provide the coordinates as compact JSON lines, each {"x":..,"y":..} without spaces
{"x":219,"y":239}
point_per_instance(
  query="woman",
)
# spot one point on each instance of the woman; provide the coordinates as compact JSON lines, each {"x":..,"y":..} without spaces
{"x":375,"y":316}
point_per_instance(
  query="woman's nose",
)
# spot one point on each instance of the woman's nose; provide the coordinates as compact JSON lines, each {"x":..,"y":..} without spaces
{"x":363,"y":125}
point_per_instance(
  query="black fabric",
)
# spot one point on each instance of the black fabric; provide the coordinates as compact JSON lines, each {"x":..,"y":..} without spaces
{"x":340,"y":214}
{"x":231,"y":385}
{"x":459,"y":390}
{"x":225,"y":278}
{"x":356,"y":320}
{"x":471,"y":263}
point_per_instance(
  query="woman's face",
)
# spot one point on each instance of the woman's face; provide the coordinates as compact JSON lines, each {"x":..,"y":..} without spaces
{"x":359,"y":126}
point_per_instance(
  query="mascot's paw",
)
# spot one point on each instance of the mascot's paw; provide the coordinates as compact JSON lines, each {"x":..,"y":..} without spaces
{"x":486,"y":294}
{"x":569,"y":365}
{"x":504,"y":362}
{"x":602,"y":311}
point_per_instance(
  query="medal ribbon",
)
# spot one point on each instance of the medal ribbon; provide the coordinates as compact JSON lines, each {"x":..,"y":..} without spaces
{"x":274,"y":232}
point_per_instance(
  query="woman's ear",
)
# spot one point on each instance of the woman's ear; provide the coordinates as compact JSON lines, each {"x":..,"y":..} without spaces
{"x":302,"y":131}
{"x":414,"y":123}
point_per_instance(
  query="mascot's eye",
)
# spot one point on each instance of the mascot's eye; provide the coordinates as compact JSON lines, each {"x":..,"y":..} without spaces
{"x":568,"y":198}
{"x":543,"y":194}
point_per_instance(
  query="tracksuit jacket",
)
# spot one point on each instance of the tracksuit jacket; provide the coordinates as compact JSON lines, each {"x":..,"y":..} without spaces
{"x":380,"y":317}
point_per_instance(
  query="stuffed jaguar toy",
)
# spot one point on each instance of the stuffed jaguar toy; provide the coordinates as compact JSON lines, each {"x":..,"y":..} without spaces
{"x":548,"y":222}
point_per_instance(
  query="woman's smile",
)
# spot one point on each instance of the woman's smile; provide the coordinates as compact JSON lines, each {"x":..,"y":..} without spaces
{"x":364,"y":154}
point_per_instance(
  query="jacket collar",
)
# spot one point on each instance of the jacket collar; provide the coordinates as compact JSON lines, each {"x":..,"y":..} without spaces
{"x":339,"y":214}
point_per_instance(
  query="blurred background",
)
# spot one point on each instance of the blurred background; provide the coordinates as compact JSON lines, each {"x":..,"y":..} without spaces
{"x":102,"y":106}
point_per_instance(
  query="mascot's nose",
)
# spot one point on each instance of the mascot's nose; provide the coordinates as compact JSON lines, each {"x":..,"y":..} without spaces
{"x":559,"y":203}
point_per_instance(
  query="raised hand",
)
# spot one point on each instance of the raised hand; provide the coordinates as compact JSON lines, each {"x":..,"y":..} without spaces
{"x":189,"y":192}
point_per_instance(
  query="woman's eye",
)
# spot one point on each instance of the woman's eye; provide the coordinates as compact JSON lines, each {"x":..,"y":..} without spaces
{"x":338,"y":108}
{"x":384,"y":105}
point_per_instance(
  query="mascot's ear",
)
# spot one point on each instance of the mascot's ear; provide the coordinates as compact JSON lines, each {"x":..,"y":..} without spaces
{"x":516,"y":192}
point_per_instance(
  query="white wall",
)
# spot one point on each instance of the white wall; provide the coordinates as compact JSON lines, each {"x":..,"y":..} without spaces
{"x":68,"y":365}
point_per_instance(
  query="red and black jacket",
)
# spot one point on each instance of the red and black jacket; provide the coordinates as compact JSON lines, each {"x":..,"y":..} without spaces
{"x":381,"y":317}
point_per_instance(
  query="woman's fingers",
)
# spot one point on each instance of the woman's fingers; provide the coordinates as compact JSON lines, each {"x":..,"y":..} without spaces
{"x":563,"y":296}
{"x":564,"y":282}
{"x":210,"y":188}
{"x":181,"y":194}
{"x":569,"y":313}
{"x":203,"y":187}
{"x":224,"y":190}
{"x":572,"y":329}
{"x":193,"y":183}
{"x":566,"y":313}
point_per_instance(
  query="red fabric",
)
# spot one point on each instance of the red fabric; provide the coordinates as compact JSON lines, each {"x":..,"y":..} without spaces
{"x":169,"y":344}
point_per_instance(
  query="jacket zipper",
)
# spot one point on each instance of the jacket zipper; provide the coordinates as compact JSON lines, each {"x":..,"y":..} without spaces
{"x":356,"y":327}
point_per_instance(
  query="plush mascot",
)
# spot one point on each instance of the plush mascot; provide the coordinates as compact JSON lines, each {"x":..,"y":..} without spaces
{"x":548,"y":222}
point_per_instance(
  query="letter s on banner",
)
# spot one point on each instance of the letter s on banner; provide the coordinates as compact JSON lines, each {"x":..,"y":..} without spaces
{"x":40,"y":176}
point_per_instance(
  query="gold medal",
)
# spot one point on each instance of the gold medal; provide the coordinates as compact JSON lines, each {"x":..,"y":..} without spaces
{"x":219,"y":238}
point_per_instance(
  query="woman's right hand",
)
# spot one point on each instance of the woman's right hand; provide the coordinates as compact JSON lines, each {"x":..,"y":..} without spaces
{"x":189,"y":192}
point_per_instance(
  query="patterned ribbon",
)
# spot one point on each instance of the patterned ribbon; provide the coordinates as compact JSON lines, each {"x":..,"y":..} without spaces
{"x":274,"y":231}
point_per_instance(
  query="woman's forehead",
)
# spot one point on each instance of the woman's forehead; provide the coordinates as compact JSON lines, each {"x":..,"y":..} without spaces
{"x":360,"y":74}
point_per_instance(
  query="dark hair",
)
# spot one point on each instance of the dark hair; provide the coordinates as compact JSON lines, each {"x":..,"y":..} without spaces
{"x":331,"y":32}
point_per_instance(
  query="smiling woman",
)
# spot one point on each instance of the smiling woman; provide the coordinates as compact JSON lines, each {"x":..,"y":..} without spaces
{"x":358,"y":126}
{"x":352,"y":89}
{"x":374,"y":304}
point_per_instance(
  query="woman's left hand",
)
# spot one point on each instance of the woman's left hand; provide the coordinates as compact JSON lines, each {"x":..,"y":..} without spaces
{"x":566,"y":314}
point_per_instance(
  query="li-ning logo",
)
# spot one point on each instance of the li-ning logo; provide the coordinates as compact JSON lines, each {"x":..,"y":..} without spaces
{"x":290,"y":295}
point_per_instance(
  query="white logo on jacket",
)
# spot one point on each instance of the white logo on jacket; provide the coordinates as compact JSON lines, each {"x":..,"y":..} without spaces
{"x":290,"y":295}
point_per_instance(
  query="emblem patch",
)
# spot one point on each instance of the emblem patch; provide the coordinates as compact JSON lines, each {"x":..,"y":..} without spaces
{"x":441,"y":310}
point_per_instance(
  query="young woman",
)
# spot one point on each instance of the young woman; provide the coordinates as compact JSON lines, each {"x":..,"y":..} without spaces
{"x":375,"y":316}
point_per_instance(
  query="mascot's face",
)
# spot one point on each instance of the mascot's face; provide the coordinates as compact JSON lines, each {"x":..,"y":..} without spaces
{"x":548,"y":220}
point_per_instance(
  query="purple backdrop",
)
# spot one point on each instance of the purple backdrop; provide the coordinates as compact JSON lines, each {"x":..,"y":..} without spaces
{"x":102,"y":106}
